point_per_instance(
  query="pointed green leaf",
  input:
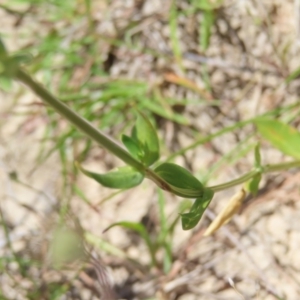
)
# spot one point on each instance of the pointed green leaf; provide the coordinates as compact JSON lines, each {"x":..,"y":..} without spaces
{"x":254,"y":184}
{"x":191,"y":219}
{"x":131,"y":146}
{"x":122,"y":178}
{"x":145,"y":137}
{"x":180,"y":180}
{"x":281,"y":136}
{"x":141,"y":230}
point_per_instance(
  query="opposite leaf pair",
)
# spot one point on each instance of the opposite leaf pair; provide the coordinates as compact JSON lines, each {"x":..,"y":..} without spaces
{"x":143,"y":145}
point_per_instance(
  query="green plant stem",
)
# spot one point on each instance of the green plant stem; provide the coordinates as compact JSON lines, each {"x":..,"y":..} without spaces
{"x":251,"y":174}
{"x":120,"y":152}
{"x":229,"y":184}
{"x":82,"y":124}
{"x":281,"y":166}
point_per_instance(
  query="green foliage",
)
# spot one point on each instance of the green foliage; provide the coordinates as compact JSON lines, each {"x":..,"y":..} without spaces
{"x":122,"y":178}
{"x":132,"y":146}
{"x":191,"y":219}
{"x":280,"y":135}
{"x":145,"y":137}
{"x":182,"y":182}
{"x":254,"y":184}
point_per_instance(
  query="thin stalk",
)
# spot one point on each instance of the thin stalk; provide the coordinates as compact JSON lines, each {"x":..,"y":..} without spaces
{"x":281,"y":166}
{"x":82,"y":124}
{"x":251,"y":174}
{"x":229,"y":184}
{"x":106,"y":142}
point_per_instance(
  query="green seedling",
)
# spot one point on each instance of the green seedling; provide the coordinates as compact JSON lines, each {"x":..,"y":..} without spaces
{"x":143,"y":147}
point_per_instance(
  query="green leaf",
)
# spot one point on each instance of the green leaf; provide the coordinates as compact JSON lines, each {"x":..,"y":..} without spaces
{"x":122,"y":178}
{"x":180,"y":180}
{"x":145,"y":137}
{"x":141,"y":230}
{"x":131,"y":146}
{"x":281,"y":136}
{"x":191,"y":219}
{"x":254,"y":184}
